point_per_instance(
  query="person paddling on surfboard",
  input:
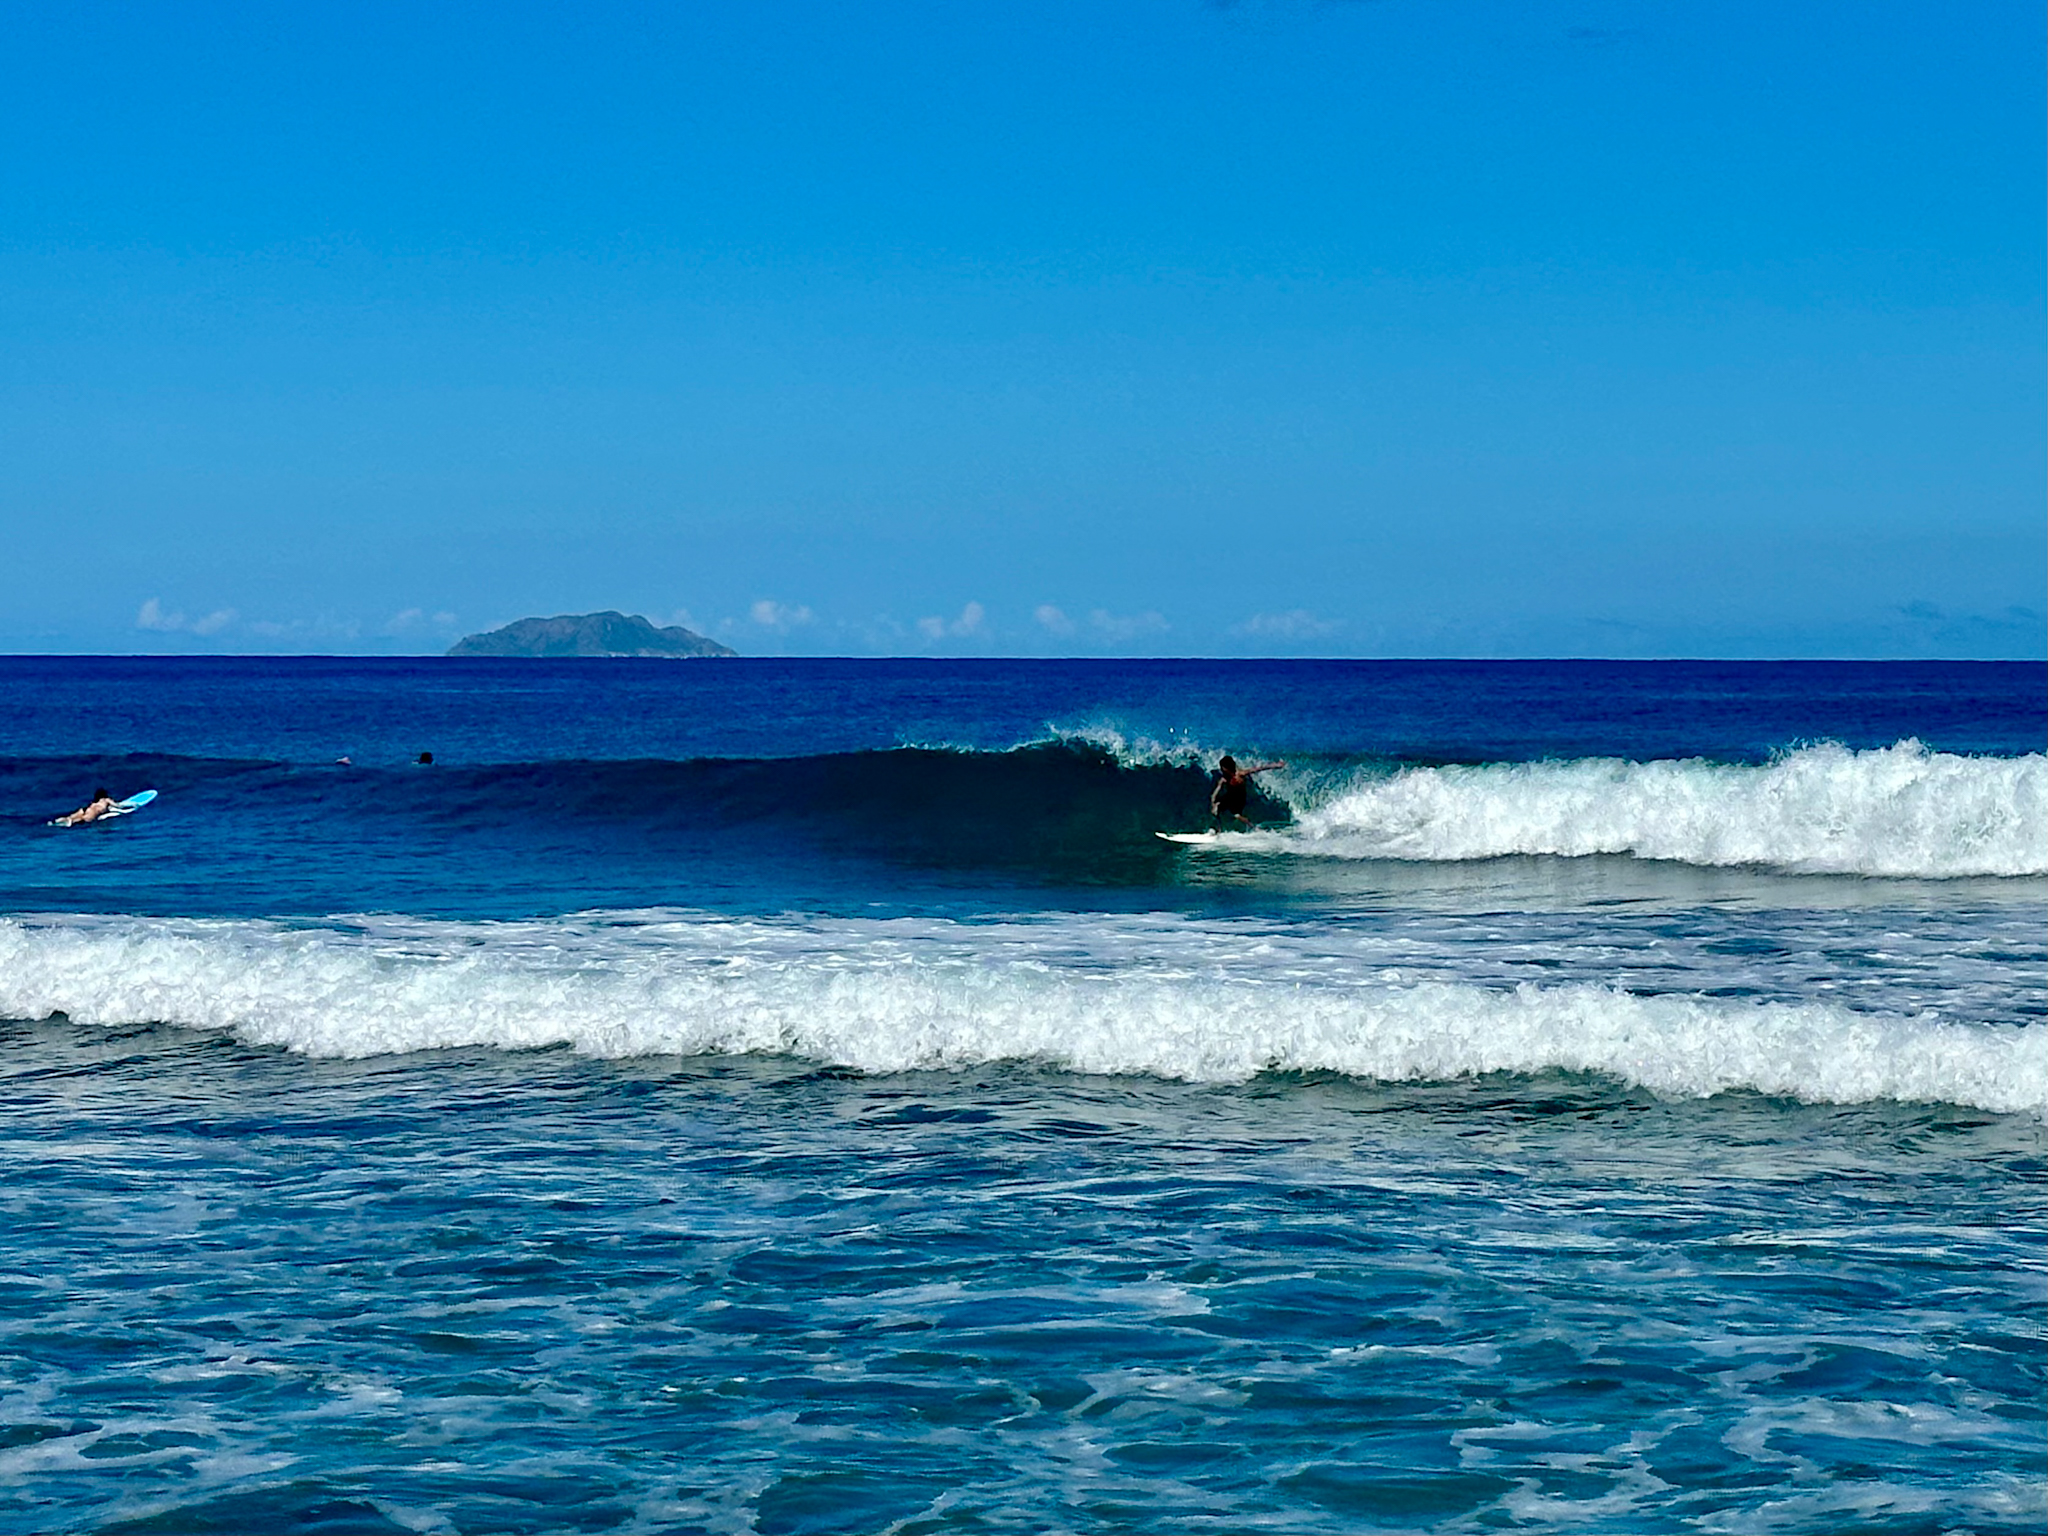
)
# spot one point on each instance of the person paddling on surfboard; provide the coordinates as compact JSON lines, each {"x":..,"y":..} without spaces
{"x":1231,"y":785}
{"x":93,"y":809}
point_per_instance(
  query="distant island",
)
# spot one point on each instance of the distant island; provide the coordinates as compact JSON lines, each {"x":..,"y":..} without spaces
{"x":589,"y":634}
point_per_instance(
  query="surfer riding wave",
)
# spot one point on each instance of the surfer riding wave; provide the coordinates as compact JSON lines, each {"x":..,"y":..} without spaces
{"x":1230,"y":785}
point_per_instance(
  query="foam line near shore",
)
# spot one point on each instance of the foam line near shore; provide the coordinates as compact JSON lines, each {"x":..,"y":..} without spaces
{"x":882,"y":997}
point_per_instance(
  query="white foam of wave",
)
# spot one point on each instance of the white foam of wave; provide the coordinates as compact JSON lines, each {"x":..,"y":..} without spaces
{"x":1136,"y":751}
{"x":1898,"y":811}
{"x":890,"y":996}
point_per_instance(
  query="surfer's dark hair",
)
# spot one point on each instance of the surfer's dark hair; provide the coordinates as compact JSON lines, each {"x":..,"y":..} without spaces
{"x":1229,"y":763}
{"x":101,"y":793}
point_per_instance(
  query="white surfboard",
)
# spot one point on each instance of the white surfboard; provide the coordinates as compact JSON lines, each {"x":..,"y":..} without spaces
{"x":1190,"y":839}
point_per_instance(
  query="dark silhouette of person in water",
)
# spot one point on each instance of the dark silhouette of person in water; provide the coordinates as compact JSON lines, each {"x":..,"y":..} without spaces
{"x":1229,"y":787}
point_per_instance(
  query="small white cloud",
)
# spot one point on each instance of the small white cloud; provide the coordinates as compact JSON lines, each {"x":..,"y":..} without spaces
{"x":151,"y":615}
{"x":1127,"y":626}
{"x":1051,"y":618}
{"x":883,"y":633}
{"x":967,"y":622}
{"x":405,"y":621}
{"x":324,"y":628}
{"x":1294,"y":624}
{"x":772,"y":615}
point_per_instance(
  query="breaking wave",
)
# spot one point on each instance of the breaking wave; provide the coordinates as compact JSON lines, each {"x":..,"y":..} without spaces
{"x":1083,"y":806}
{"x":1899,"y":811}
{"x":1174,"y":1001}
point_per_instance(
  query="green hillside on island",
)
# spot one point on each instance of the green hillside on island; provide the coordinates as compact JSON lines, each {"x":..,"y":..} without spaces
{"x":589,"y":634}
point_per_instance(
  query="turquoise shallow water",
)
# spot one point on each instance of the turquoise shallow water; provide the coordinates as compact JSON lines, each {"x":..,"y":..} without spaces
{"x":1632,"y":1118}
{"x":511,"y":1293}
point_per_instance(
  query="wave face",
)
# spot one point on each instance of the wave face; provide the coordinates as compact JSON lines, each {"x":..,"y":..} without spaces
{"x":1078,"y":808}
{"x":1186,"y":1001}
{"x":1900,"y":811}
{"x":263,"y":838}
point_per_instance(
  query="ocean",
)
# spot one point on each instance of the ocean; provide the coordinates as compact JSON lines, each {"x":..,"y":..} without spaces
{"x":805,"y":1096}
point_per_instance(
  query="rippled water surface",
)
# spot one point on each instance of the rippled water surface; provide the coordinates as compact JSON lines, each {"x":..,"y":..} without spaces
{"x":472,"y":1291}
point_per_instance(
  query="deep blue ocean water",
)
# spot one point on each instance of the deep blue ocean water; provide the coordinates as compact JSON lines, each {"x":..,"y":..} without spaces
{"x":806,"y":1096}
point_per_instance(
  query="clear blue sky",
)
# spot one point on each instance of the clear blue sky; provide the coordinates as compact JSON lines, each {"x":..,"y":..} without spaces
{"x":1401,"y":327}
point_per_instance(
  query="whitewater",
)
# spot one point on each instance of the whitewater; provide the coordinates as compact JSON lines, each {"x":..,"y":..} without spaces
{"x":1902,"y":811}
{"x":1198,"y":1002}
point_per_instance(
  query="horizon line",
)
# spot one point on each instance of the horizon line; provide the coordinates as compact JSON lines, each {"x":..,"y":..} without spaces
{"x":1004,"y":657}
